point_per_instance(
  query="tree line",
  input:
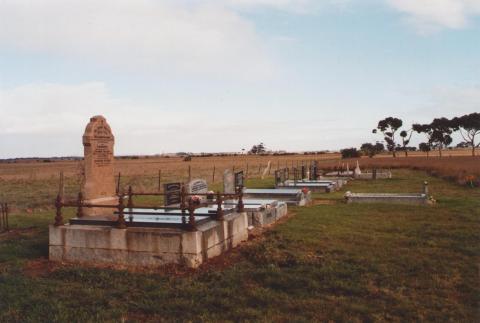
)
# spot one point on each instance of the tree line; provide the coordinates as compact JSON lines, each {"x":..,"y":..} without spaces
{"x":438,"y":135}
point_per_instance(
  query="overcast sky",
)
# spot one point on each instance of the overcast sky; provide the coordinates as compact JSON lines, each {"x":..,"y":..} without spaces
{"x":193,"y":75}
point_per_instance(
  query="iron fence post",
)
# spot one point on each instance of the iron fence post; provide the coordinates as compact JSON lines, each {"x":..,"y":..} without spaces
{"x":121,"y":218}
{"x":58,"y":213}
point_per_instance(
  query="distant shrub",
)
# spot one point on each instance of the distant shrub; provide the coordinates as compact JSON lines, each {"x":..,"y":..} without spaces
{"x":350,"y":153}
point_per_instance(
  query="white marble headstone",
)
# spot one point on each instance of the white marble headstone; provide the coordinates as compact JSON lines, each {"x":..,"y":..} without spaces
{"x":228,"y":182}
{"x":197,"y":186}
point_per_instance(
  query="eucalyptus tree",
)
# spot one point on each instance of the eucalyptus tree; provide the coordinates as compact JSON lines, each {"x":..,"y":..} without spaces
{"x":469,"y":127}
{"x":438,"y":133}
{"x":406,"y":136}
{"x":389,"y":127}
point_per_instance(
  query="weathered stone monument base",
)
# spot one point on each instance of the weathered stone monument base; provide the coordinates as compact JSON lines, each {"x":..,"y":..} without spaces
{"x":267,"y":215}
{"x":146,"y":247}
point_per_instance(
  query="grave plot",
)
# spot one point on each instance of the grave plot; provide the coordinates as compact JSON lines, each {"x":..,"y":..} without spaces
{"x":374,"y":174}
{"x":296,"y":197}
{"x":339,"y":181}
{"x":262,"y":212}
{"x":324,"y":186}
{"x":190,"y":228}
{"x":282,"y":181}
{"x":391,"y":198}
{"x":136,"y":235}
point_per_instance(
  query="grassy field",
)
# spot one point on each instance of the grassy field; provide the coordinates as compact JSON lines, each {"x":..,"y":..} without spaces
{"x":331,"y":261}
{"x":32,"y":186}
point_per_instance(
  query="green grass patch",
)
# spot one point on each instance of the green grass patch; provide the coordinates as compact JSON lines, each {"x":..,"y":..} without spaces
{"x":336,"y":262}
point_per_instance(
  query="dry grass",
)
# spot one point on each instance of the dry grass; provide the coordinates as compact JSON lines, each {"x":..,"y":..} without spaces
{"x":463,"y":170}
{"x":34,"y":185}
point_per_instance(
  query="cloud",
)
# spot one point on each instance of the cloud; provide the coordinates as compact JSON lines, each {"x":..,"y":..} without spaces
{"x":48,"y":119}
{"x":48,"y":108}
{"x":428,"y":16}
{"x":297,"y":6}
{"x":156,"y":36}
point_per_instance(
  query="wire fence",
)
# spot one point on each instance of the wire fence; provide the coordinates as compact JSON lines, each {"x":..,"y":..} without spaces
{"x":37,"y":193}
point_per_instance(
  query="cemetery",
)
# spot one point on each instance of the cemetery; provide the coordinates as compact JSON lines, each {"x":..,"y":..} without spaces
{"x":193,"y":223}
{"x":240,"y":161}
{"x":187,"y":237}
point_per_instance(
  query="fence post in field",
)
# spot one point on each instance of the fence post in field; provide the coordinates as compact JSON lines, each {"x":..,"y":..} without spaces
{"x":61,"y":185}
{"x":213,"y":174}
{"x":246,"y":172}
{"x":259,"y":168}
{"x":159,"y":180}
{"x":189,"y":173}
{"x":58,"y":212}
{"x":6,"y":216}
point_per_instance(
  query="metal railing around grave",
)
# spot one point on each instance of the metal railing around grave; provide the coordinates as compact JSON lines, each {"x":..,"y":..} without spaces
{"x":187,"y":207}
{"x":4,"y":217}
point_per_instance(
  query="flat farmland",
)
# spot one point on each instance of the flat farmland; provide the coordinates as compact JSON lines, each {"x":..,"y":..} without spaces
{"x":33,"y":185}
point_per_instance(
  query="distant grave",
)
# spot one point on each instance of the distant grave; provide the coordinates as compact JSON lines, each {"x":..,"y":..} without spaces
{"x":291,"y":196}
{"x":391,"y":198}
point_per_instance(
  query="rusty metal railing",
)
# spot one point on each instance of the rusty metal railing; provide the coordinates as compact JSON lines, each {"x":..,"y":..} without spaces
{"x":187,"y":204}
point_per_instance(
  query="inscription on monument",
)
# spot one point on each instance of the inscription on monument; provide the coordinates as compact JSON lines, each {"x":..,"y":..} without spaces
{"x":197,"y":186}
